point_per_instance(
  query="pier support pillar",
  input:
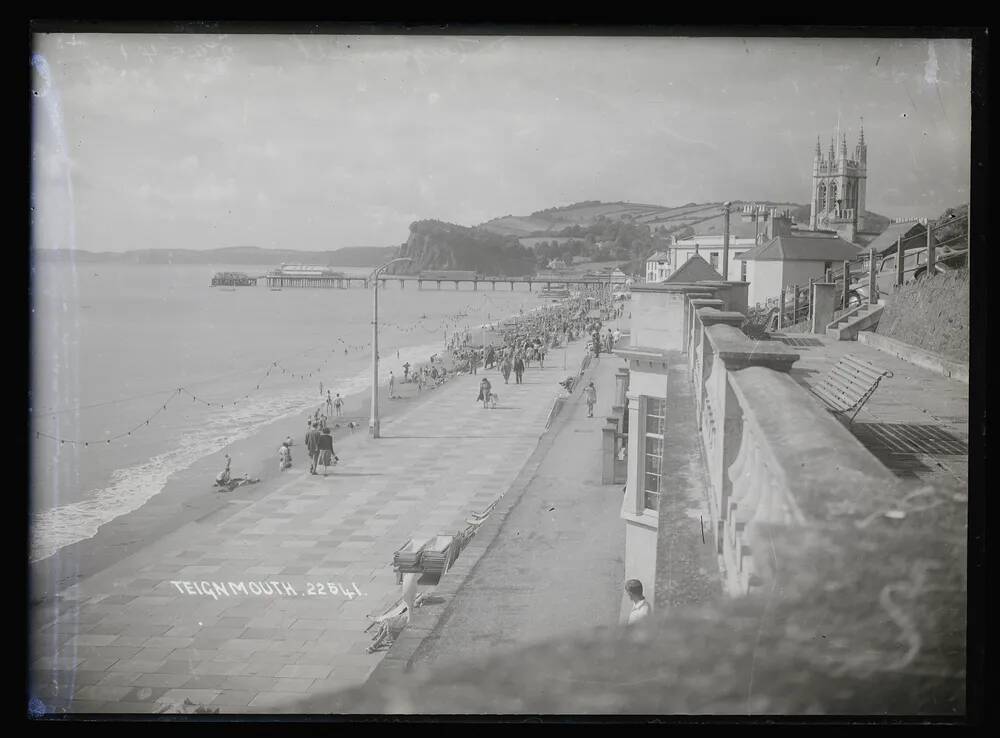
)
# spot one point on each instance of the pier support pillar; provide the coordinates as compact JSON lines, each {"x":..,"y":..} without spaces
{"x":475,"y":285}
{"x":529,"y":285}
{"x":420,"y":284}
{"x":511,"y":286}
{"x":439,"y":284}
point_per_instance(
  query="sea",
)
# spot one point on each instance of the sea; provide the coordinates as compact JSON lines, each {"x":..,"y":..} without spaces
{"x":120,"y":352}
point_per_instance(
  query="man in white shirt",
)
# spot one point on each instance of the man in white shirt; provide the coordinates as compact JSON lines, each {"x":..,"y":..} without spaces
{"x":640,"y":605}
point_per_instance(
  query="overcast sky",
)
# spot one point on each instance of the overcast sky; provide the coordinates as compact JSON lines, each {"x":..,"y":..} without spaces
{"x":320,"y":142}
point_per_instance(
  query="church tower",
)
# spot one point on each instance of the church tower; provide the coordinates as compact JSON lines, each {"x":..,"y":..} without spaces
{"x":838,"y":189}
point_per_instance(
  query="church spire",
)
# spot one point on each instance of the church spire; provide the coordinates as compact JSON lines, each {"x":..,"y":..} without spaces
{"x":861,"y":150}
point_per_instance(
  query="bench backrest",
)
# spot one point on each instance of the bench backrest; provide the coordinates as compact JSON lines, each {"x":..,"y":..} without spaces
{"x":849,"y":384}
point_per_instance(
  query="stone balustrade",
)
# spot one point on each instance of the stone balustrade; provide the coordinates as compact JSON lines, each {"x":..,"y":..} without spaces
{"x":701,"y":357}
{"x":767,"y":445}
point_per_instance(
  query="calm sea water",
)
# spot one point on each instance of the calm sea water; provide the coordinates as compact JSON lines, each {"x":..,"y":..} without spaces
{"x":112,"y":343}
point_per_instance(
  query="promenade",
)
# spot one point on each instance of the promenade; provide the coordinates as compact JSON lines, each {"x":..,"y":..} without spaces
{"x":555,"y":563}
{"x":153,"y":629}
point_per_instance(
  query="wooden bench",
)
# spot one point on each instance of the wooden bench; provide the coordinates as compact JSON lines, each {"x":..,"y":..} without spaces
{"x":848,"y":385}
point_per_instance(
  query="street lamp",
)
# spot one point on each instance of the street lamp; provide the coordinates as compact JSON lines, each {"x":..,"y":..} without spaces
{"x":373,"y":423}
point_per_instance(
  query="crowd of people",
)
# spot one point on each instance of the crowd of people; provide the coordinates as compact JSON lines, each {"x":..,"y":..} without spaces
{"x":513,"y":346}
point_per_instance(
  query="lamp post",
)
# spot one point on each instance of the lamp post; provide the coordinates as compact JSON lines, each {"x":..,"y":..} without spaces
{"x":373,"y":423}
{"x":725,"y":241}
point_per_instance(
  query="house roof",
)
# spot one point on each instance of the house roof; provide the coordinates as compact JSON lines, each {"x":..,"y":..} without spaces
{"x":694,"y":269}
{"x":657,"y":256}
{"x":803,"y":248}
{"x":886,"y":240}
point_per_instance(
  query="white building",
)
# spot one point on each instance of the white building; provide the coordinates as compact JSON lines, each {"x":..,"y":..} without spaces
{"x":792,"y":260}
{"x":658,"y":266}
{"x":710,"y":247}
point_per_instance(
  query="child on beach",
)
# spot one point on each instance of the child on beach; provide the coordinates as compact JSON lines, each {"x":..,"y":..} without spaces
{"x":338,"y":405}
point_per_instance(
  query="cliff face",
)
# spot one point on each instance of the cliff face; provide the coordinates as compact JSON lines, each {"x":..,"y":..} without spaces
{"x":435,"y":245}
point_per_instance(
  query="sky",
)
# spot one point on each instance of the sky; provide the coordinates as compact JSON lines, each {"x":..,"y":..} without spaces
{"x":322,"y":142}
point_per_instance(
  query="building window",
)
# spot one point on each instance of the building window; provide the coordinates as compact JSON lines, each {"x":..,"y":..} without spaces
{"x":654,"y":419}
{"x":743,"y":271}
{"x":714,"y":258}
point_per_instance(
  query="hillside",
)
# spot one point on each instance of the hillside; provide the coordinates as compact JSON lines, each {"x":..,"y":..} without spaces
{"x":661,"y":219}
{"x":436,"y":245}
{"x":250,"y":255}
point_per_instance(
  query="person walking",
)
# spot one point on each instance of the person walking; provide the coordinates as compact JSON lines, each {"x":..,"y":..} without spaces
{"x":392,"y":386}
{"x":338,"y":405}
{"x":284,"y":457}
{"x":325,"y":446}
{"x":505,"y":370}
{"x":590,"y":393}
{"x":329,"y":404}
{"x":640,"y":605}
{"x":484,"y":392}
{"x":406,"y":372}
{"x":518,"y":368}
{"x":312,"y":446}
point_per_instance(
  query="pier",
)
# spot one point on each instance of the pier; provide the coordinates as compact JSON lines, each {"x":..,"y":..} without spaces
{"x":276,"y":281}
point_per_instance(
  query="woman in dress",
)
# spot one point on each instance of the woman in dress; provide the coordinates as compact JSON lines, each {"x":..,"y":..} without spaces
{"x":484,"y":391}
{"x":284,"y":457}
{"x":326,"y":455}
{"x":505,"y":369}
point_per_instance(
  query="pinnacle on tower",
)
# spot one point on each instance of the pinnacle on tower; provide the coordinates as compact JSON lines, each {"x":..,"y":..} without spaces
{"x":818,"y":153}
{"x":843,"y":146}
{"x":830,"y":157}
{"x":861,"y":133}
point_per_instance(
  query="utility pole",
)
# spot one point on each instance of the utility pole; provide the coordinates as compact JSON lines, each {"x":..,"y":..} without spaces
{"x":373,"y":423}
{"x":899,"y":261}
{"x":930,"y":251}
{"x":725,"y":242}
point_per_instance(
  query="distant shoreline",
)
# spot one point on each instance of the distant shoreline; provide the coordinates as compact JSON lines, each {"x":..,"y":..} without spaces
{"x":355,"y":256}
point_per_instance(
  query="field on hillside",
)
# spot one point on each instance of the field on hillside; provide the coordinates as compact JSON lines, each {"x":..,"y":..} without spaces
{"x":703,"y":217}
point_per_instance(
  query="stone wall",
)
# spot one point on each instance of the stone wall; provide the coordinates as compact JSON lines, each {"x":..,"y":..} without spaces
{"x":931,"y":314}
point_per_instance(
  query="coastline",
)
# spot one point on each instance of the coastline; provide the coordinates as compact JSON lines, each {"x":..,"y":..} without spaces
{"x":189,"y":494}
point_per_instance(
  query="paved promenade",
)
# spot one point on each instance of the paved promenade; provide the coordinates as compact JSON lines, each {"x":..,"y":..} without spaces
{"x":130,"y":640}
{"x":916,"y":422}
{"x":556,"y":566}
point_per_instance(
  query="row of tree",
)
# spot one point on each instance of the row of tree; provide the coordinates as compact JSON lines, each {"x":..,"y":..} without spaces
{"x":607,"y":239}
